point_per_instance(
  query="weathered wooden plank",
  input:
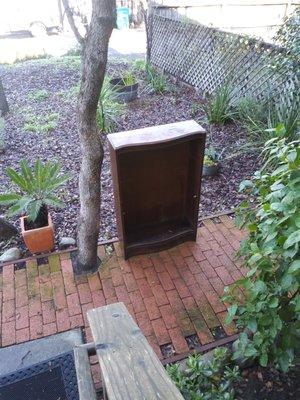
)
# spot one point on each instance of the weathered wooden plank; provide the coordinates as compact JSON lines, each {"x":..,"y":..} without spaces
{"x":130,"y":368}
{"x":84,"y":376}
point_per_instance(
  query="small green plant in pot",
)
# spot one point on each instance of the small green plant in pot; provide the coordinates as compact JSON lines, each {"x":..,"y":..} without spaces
{"x":37,"y":190}
{"x":126,"y":87}
{"x":211,"y":165}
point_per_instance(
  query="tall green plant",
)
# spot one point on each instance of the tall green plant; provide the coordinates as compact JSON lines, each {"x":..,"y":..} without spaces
{"x":109,"y":110}
{"x":258,"y":119}
{"x":270,"y":313}
{"x":218,"y":108}
{"x":37,"y":189}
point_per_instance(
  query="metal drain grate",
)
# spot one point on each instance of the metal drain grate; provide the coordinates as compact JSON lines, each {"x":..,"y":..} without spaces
{"x":49,"y":380}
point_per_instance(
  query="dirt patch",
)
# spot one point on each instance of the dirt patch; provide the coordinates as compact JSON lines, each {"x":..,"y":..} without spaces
{"x":58,"y":80}
{"x":261,"y":384}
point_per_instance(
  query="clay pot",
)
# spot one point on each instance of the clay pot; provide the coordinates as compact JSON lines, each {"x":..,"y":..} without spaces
{"x":38,"y":240}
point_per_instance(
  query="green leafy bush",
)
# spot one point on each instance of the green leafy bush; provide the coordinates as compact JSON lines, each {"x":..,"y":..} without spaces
{"x":206,"y":380}
{"x":218,"y":108}
{"x":109,"y":110}
{"x":38,"y":186}
{"x":270,"y":313}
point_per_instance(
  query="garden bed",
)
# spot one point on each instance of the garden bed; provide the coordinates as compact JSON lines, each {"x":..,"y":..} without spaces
{"x":42,"y":123}
{"x":267,"y":383}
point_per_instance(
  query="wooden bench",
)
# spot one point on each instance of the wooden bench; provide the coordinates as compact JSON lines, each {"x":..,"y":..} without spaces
{"x":130,"y":369}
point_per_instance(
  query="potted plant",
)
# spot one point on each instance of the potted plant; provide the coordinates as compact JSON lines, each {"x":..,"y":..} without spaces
{"x":38,"y":186}
{"x":211,"y":164}
{"x":126,"y":87}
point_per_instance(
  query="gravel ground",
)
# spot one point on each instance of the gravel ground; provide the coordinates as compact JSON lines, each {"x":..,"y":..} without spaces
{"x":57,"y":77}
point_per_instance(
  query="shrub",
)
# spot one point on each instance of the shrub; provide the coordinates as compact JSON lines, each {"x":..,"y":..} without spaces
{"x":38,"y":186}
{"x":206,"y":380}
{"x":109,"y":110}
{"x":270,"y":312}
{"x":218,"y":108}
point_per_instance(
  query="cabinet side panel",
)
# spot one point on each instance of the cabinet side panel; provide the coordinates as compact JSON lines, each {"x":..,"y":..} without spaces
{"x":116,"y":190}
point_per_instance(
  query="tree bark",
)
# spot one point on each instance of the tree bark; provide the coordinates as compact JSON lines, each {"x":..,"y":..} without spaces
{"x":93,"y":71}
{"x":70,"y":16}
{"x":3,"y":102}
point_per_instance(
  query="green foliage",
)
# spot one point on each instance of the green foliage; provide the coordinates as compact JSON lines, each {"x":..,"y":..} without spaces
{"x":37,"y":185}
{"x":206,"y":380}
{"x":156,"y":81}
{"x":40,"y":123}
{"x":38,"y":95}
{"x":128,"y":78}
{"x":218,"y":108}
{"x":259,"y":119}
{"x":74,"y":51}
{"x":271,"y":309}
{"x":211,"y":156}
{"x":139,"y":65}
{"x":109,"y":110}
{"x":288,"y":37}
{"x":70,"y":94}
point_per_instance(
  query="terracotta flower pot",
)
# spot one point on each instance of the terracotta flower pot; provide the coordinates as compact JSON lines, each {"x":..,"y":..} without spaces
{"x":38,"y":240}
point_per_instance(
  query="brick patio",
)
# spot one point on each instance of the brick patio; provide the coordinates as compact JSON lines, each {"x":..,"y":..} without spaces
{"x":173,"y":295}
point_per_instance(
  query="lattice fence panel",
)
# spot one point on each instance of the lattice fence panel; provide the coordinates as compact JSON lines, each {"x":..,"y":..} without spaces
{"x":207,"y":58}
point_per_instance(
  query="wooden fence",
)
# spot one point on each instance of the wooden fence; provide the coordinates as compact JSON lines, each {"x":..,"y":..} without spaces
{"x":206,"y":58}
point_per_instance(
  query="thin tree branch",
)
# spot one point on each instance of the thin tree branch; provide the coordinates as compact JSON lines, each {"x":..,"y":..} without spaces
{"x":70,"y":16}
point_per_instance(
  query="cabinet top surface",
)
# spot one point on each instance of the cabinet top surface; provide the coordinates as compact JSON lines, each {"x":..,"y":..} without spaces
{"x":155,"y":134}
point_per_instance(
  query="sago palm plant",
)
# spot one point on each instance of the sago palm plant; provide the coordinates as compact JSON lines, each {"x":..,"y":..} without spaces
{"x":37,"y":190}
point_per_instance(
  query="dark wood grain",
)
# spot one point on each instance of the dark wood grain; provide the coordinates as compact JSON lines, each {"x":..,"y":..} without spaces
{"x":156,"y":177}
{"x":130,"y":368}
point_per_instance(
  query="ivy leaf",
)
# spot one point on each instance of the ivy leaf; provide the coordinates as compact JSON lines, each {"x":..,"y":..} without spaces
{"x":294,"y":267}
{"x":286,"y":281}
{"x":263,"y":360}
{"x":231,"y":314}
{"x":252,"y":325}
{"x":274,"y":302}
{"x":292,"y":239}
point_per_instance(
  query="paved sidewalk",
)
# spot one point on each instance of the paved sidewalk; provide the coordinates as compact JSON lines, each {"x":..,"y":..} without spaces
{"x":173,"y":295}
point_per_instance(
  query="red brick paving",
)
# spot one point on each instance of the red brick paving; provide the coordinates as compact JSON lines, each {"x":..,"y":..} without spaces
{"x":171,"y":294}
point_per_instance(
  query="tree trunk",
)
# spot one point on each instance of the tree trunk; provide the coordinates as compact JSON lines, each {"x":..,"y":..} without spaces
{"x":93,"y":71}
{"x":3,"y":102}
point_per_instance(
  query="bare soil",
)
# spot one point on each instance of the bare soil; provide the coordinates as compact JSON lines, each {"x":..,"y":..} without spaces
{"x":58,"y":77}
{"x":268,"y":384}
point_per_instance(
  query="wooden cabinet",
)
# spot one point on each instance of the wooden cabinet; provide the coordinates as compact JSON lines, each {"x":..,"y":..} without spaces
{"x":156,"y":177}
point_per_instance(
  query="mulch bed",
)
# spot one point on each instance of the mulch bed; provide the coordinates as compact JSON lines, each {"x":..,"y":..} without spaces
{"x":58,"y":77}
{"x":268,"y":384}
